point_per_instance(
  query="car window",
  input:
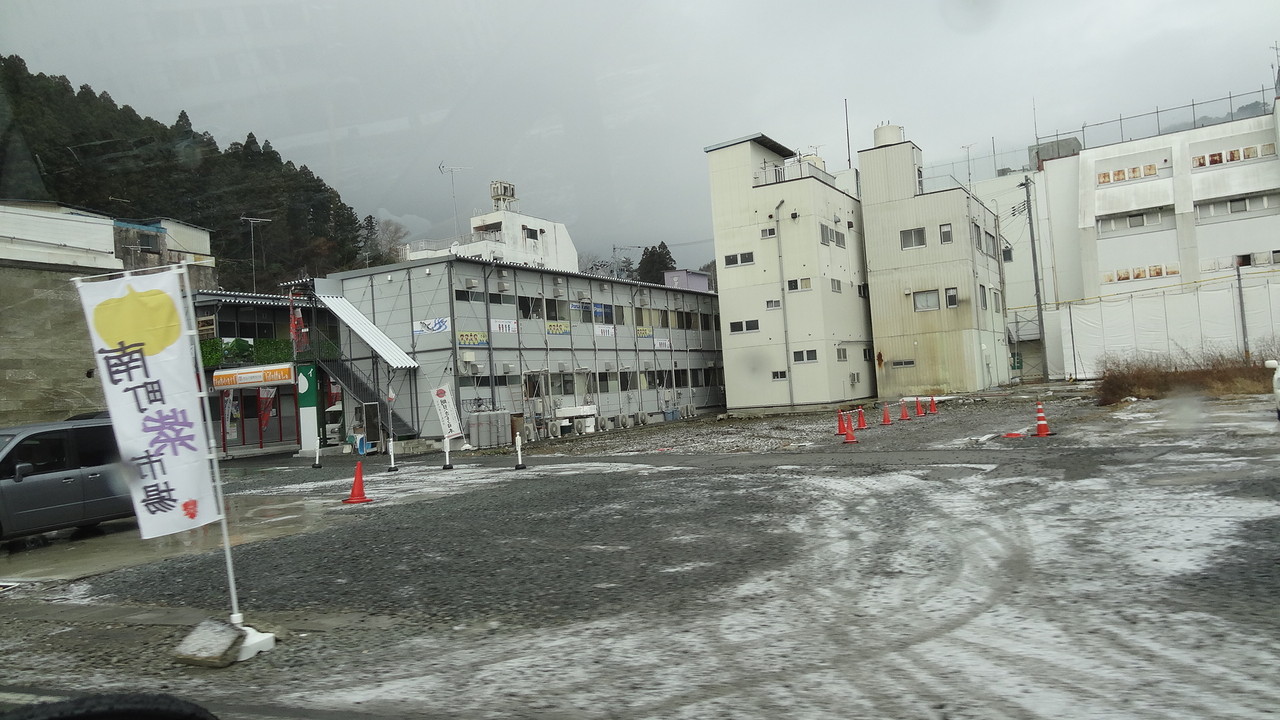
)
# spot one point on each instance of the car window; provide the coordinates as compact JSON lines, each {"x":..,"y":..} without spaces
{"x":96,"y":445}
{"x":47,"y":452}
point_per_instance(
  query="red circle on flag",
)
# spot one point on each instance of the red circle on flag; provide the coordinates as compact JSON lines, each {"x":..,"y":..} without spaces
{"x":440,"y":392}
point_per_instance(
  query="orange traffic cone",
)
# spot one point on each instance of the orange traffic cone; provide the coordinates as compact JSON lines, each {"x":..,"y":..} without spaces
{"x":919,"y":407}
{"x":933,"y":406}
{"x":840,"y":423}
{"x":903,"y":415}
{"x":887,"y":420}
{"x":862,"y":420}
{"x":1042,"y":424}
{"x":848,"y":433}
{"x":357,"y":488}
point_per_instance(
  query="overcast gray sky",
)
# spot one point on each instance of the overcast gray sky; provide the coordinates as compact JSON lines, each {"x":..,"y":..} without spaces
{"x":599,"y":111}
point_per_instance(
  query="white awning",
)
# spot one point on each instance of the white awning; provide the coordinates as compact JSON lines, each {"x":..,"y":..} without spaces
{"x":360,"y":325}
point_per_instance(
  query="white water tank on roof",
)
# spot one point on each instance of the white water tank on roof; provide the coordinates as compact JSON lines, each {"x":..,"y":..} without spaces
{"x":888,"y":135}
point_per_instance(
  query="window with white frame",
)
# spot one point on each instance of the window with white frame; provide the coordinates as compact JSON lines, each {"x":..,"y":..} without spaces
{"x":925,"y":300}
{"x":831,"y":235}
{"x":842,"y":354}
{"x":864,"y":290}
{"x":982,"y":295}
{"x":738,"y":326}
{"x":975,"y":234}
{"x":904,"y":363}
{"x":995,"y":300}
{"x":745,"y":258}
{"x":799,"y":284}
{"x":766,"y":233}
{"x":804,"y":356}
{"x":913,"y":238}
{"x":779,"y":374}
{"x":867,"y":354}
{"x":953,"y":297}
{"x":944,"y":233}
{"x":835,"y":285}
{"x":772,"y":304}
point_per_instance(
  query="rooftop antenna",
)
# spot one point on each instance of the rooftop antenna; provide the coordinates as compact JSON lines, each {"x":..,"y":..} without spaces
{"x":847,"y":144}
{"x":453,"y":190}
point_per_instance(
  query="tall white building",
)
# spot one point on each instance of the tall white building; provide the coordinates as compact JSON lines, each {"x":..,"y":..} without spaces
{"x":1166,"y":245}
{"x":791,"y":275}
{"x":935,"y":277}
{"x":506,"y":235}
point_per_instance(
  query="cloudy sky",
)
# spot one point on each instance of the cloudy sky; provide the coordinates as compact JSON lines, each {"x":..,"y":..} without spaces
{"x":599,"y":110}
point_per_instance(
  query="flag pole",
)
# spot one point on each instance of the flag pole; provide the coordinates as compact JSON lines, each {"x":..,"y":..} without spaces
{"x":193,"y":337}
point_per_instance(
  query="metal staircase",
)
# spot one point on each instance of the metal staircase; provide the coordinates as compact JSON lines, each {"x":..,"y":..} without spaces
{"x":357,"y":385}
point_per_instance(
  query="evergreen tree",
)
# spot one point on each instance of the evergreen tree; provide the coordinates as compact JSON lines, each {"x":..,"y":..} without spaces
{"x":654,"y":262}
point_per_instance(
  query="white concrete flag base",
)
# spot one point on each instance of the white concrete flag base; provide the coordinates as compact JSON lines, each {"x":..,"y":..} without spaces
{"x":254,"y":641}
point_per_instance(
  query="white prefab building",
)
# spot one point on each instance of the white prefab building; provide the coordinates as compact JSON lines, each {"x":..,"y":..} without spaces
{"x":934,"y":271}
{"x":791,"y":278}
{"x":520,"y":348}
{"x":1166,"y":245}
{"x":505,"y":235}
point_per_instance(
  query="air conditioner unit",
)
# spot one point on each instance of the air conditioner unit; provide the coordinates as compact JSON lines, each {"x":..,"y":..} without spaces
{"x":471,"y":283}
{"x":711,"y":363}
{"x":642,"y":301}
{"x":478,"y":368}
{"x":502,"y":273}
{"x":557,"y":281}
{"x":558,"y":292}
{"x":503,"y":287}
{"x":648,"y":365}
{"x":610,"y":367}
{"x":564,"y":366}
{"x":508,"y":368}
{"x":467,"y":356}
{"x":604,"y":286}
{"x":582,"y":295}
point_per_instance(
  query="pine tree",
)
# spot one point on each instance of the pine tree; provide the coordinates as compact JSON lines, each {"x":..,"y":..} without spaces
{"x":654,"y":262}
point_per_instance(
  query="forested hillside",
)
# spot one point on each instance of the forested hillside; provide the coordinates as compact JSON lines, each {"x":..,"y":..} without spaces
{"x":78,"y":147}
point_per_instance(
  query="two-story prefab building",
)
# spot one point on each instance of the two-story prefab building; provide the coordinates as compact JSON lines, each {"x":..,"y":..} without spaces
{"x":791,"y":278}
{"x":935,"y":275}
{"x":523,"y":347}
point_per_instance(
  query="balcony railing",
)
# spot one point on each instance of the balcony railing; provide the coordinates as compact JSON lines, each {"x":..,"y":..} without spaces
{"x":791,"y":171}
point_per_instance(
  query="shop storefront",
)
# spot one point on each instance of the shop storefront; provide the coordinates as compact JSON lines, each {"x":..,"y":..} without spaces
{"x":256,"y":407}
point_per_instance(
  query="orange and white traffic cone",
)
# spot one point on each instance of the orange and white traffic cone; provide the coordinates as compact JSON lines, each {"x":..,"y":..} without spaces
{"x":840,"y":423}
{"x":887,"y":420}
{"x":919,"y":407}
{"x":848,"y":433}
{"x":903,"y":415}
{"x":357,"y":488}
{"x":1042,"y":424}
{"x":933,"y":406}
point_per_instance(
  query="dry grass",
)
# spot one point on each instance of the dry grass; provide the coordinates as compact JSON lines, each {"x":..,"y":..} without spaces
{"x":1213,"y":374}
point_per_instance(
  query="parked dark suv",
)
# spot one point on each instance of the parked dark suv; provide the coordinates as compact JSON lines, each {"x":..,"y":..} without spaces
{"x":60,"y":475}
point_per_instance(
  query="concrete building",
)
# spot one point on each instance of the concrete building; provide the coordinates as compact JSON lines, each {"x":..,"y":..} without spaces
{"x":506,"y":235}
{"x":46,"y":361}
{"x":1164,"y":245}
{"x":791,"y":277}
{"x":935,"y":276}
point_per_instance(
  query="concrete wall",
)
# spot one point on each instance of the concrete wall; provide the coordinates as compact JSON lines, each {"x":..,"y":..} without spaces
{"x":46,"y":352}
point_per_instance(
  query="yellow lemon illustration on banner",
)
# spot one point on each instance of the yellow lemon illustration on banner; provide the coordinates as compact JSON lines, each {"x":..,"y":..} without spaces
{"x":149,"y":318}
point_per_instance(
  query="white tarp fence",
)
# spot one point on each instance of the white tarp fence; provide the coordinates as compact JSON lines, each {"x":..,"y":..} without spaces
{"x":1174,"y":326}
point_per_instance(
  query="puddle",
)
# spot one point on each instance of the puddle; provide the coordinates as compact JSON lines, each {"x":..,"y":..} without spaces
{"x":74,"y":554}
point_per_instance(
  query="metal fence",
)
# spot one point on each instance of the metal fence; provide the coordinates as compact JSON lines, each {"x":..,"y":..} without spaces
{"x":1162,"y":121}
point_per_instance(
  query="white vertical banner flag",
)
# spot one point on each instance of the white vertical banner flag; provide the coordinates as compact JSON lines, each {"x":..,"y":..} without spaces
{"x":145,"y":355}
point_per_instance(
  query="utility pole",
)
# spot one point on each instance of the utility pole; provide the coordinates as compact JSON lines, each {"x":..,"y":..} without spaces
{"x":453,"y":190}
{"x":253,"y":265}
{"x":1035,"y":263}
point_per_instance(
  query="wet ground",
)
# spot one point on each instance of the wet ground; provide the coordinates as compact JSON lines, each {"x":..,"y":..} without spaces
{"x":1125,"y":567}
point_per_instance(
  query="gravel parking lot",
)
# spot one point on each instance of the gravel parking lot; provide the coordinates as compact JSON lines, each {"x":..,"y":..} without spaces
{"x":1127,"y":566}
